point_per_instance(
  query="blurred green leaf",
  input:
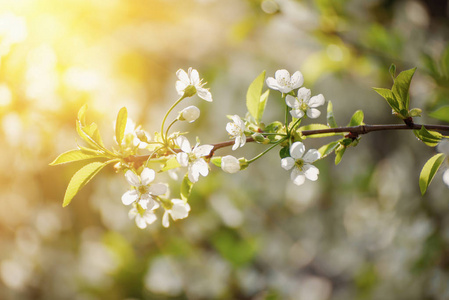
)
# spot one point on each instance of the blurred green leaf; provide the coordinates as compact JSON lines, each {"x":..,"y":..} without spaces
{"x":76,"y":155}
{"x":120,"y":125}
{"x":233,"y":248}
{"x":216,"y":160}
{"x":330,"y":116}
{"x":80,"y":179}
{"x":392,"y":71}
{"x":171,"y":163}
{"x":429,"y":170}
{"x":356,"y":119}
{"x":442,"y":113}
{"x":186,"y":188}
{"x":327,"y":149}
{"x":254,"y":102}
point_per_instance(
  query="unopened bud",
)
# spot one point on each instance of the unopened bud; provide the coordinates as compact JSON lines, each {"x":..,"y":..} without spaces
{"x":189,"y":114}
{"x":142,"y":136}
{"x":260,"y":138}
{"x":230,"y":164}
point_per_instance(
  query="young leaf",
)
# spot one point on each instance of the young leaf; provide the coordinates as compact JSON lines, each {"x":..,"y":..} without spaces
{"x":392,"y":71}
{"x":330,"y":116}
{"x":327,"y":149}
{"x":262,"y":105}
{"x":401,"y":88}
{"x":186,"y":188}
{"x":316,"y":127}
{"x":430,"y":138}
{"x":76,"y":155}
{"x":389,"y":96}
{"x":80,"y":179}
{"x":171,"y":163}
{"x":120,"y":125}
{"x":429,"y":170}
{"x":441,"y":113}
{"x":216,"y":160}
{"x":253,"y":96}
{"x":89,"y":133}
{"x":339,"y":151}
{"x":357,"y":119}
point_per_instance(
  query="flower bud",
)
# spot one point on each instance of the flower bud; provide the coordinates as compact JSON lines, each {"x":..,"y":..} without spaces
{"x":260,"y":138}
{"x":230,"y":164}
{"x":189,"y":114}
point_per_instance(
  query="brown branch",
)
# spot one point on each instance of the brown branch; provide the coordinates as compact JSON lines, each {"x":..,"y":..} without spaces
{"x":352,"y":130}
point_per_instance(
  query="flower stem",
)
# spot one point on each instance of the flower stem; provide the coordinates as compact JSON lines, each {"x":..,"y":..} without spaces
{"x":266,"y":151}
{"x":164,"y":137}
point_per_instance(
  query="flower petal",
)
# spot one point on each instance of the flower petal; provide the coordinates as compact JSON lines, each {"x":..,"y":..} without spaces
{"x":165,"y":220}
{"x":287,"y":163}
{"x":236,"y":143}
{"x":183,"y":143}
{"x":272,"y":83}
{"x":201,"y":166}
{"x":297,"y":150}
{"x":313,"y":113}
{"x":311,"y":156}
{"x":297,"y":80}
{"x":297,"y":113}
{"x":132,"y":178}
{"x":282,"y":76}
{"x":130,"y":197}
{"x":316,"y":101}
{"x":180,"y":87}
{"x":446,"y":177}
{"x":149,"y":217}
{"x":203,"y":150}
{"x":193,"y":174}
{"x":204,"y":94}
{"x":292,"y":101}
{"x":304,"y":94}
{"x":194,"y":77}
{"x":140,"y":222}
{"x":183,"y":77}
{"x":297,"y":176}
{"x":311,"y":172}
{"x":158,"y":189}
{"x":183,"y":159}
{"x":179,"y":212}
{"x":147,"y":176}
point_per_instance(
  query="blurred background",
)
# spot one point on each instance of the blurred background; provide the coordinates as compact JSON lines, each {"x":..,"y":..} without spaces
{"x":362,"y":231}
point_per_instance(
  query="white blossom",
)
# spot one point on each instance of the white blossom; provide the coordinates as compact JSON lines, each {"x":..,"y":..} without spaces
{"x":230,"y":164}
{"x":134,"y":135}
{"x":144,"y":192}
{"x":304,"y":104}
{"x":143,"y":217}
{"x":236,"y":130}
{"x":193,"y":158}
{"x":190,"y":83}
{"x":179,"y":210}
{"x":301,"y":163}
{"x":283,"y":82}
{"x":189,"y":114}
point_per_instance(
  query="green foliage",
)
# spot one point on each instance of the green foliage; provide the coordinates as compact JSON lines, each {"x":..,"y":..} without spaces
{"x":120,"y":125}
{"x":171,"y":163}
{"x":327,"y":149}
{"x":255,"y":100}
{"x":284,"y":152}
{"x":339,"y":151}
{"x":80,"y":179}
{"x":236,"y":250}
{"x":186,"y":188}
{"x":357,"y":119}
{"x":429,"y":170}
{"x":330,"y":116}
{"x":216,"y":160}
{"x":316,"y":127}
{"x":77,"y":155}
{"x":442,"y":113}
{"x":430,"y":138}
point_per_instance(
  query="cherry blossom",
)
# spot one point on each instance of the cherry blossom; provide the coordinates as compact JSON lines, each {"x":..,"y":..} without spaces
{"x":142,"y":216}
{"x":283,"y":82}
{"x":236,"y":129}
{"x":190,"y":84}
{"x":189,"y":114}
{"x":230,"y":164}
{"x":179,"y":210}
{"x":193,"y":158}
{"x":304,"y":104}
{"x":301,"y":163}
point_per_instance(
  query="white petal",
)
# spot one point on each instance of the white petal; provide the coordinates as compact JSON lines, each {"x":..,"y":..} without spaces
{"x":285,"y":89}
{"x":282,"y":76}
{"x":179,"y":212}
{"x":313,"y":113}
{"x":130,"y":197}
{"x":297,"y":177}
{"x":311,"y":156}
{"x":230,"y":164}
{"x":203,"y":150}
{"x":446,"y":177}
{"x":242,"y":140}
{"x":132,"y":178}
{"x":194,"y":76}
{"x":193,"y":174}
{"x":297,"y":150}
{"x":297,"y":80}
{"x":158,"y":189}
{"x":183,"y":159}
{"x":201,"y":166}
{"x":133,"y":213}
{"x":182,"y":75}
{"x":180,"y":87}
{"x":183,"y":143}
{"x":140,"y":222}
{"x":292,"y":101}
{"x":236,"y":143}
{"x":144,"y":202}
{"x":304,"y":94}
{"x":316,"y":101}
{"x":311,"y":172}
{"x":204,"y":94}
{"x":147,"y":176}
{"x":287,"y":163}
{"x":165,"y":220}
{"x":297,"y":113}
{"x":149,"y":217}
{"x":272,"y":83}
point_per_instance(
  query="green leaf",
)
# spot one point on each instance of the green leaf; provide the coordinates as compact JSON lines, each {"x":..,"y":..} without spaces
{"x":415,"y":112}
{"x":316,"y":127}
{"x":216,"y":160}
{"x":80,"y":179}
{"x":357,"y":119}
{"x":186,"y":188}
{"x":445,"y":62}
{"x":262,"y":105}
{"x":120,"y":125}
{"x":327,"y":149}
{"x":442,"y":113}
{"x":389,"y":96}
{"x":401,"y":88}
{"x":253,"y":96}
{"x":330,"y":116}
{"x":76,"y":155}
{"x":392,"y":71}
{"x":89,"y":133}
{"x":171,"y":163}
{"x":429,"y":170}
{"x":339,"y":151}
{"x":284,"y":152}
{"x":430,"y":138}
